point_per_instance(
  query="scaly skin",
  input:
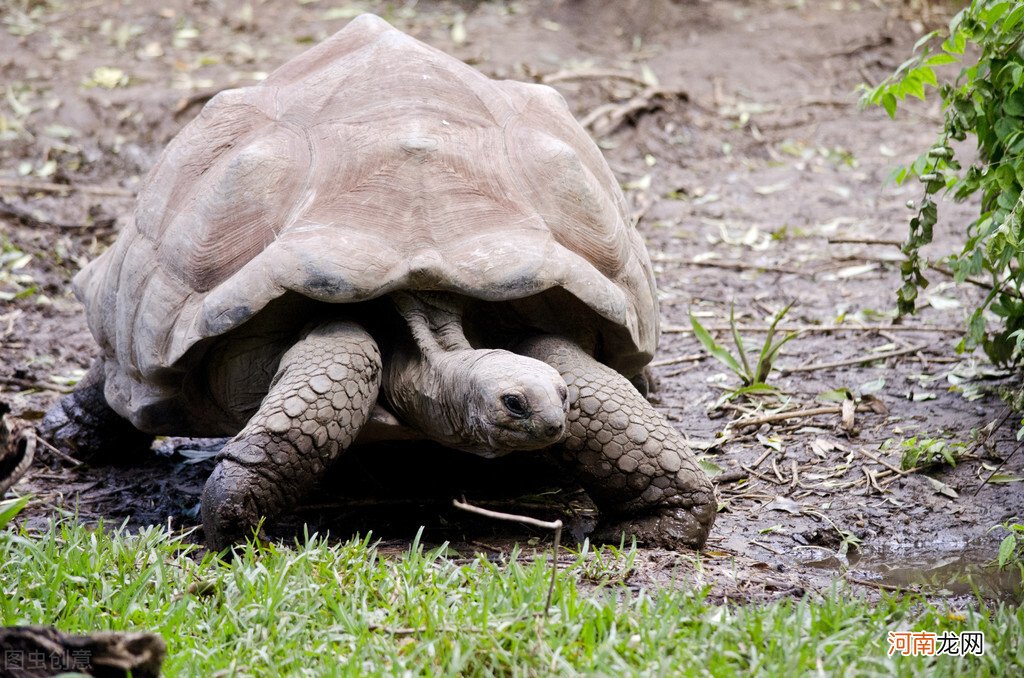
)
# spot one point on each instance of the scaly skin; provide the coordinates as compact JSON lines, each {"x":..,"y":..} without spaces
{"x":83,"y":424}
{"x":633,"y":463}
{"x":325,"y":387}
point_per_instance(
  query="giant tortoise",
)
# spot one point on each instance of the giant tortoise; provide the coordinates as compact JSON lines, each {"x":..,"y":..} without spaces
{"x":380,"y":242}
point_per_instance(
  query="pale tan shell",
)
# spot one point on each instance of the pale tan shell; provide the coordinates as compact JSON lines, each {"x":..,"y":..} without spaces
{"x":368,"y":164}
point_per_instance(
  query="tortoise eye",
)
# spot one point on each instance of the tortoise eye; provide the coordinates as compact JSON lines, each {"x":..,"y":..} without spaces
{"x":516,"y":405}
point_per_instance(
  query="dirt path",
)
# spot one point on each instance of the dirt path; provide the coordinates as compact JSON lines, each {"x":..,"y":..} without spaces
{"x":734,"y":128}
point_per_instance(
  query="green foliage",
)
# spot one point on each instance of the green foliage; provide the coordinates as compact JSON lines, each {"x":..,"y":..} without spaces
{"x":10,"y":508}
{"x":924,"y":452}
{"x":1011,"y":550}
{"x":754,"y":380}
{"x":348,"y":609}
{"x":986,"y":102}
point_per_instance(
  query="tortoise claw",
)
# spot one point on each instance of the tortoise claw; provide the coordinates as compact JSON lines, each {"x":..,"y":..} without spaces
{"x":669,"y":528}
{"x":229,"y":513}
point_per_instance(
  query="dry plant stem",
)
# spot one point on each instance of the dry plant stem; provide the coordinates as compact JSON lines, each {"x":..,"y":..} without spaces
{"x":606,"y":118}
{"x":555,"y":525}
{"x":812,"y":329}
{"x":783,"y":416}
{"x":49,"y":187}
{"x":57,"y":453}
{"x":593,"y":74}
{"x":854,"y":361}
{"x":864,"y":241}
{"x":677,"y":360}
{"x":974,"y":281}
{"x":31,"y":220}
{"x":877,"y":585}
{"x":761,"y":476}
{"x":730,"y":265}
{"x":997,"y":468}
{"x":733,"y":476}
{"x":884,"y":463}
{"x":25,"y":383}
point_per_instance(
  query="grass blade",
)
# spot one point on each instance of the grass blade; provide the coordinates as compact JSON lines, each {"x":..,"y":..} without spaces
{"x":769,"y":351}
{"x":748,"y":378}
{"x":11,"y":508}
{"x":713,"y":348}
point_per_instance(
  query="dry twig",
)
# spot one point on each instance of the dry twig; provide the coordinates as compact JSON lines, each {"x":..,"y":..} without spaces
{"x":50,"y":187}
{"x":555,"y":525}
{"x":593,"y":74}
{"x":852,"y":361}
{"x":783,"y":416}
{"x":819,"y":329}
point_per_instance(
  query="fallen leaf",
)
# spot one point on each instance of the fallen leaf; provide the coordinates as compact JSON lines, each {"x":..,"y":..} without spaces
{"x":784,"y":504}
{"x":821,"y":447}
{"x":459,"y":29}
{"x":836,"y":395}
{"x":875,"y":404}
{"x":648,"y":76}
{"x":849,"y":408}
{"x":771,"y":188}
{"x":853,"y":271}
{"x":873,"y":386}
{"x":1004,"y":478}
{"x":942,"y":303}
{"x":942,"y":488}
{"x":641,"y":184}
{"x":107,"y":77}
{"x":710,"y":468}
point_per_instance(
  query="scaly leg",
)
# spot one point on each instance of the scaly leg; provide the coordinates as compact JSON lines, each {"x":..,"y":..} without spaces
{"x":83,"y":424}
{"x":325,"y":387}
{"x":633,"y":463}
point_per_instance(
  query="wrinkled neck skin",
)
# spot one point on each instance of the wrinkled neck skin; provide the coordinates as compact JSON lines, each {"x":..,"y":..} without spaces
{"x":453,"y":393}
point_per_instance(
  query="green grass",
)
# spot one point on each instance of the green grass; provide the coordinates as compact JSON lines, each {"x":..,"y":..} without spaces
{"x":344,"y":609}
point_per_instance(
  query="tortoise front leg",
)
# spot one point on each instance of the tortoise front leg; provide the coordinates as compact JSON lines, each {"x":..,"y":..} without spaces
{"x":325,"y":387}
{"x":85,"y":426}
{"x":633,"y":463}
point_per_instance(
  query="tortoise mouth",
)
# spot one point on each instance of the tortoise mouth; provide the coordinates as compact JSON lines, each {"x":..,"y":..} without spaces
{"x":535,"y":436}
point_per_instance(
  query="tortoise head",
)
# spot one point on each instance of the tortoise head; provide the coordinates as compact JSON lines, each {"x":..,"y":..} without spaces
{"x":513,"y":403}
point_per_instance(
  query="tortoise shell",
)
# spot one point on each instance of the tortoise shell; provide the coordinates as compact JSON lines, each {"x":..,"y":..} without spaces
{"x":368,"y":164}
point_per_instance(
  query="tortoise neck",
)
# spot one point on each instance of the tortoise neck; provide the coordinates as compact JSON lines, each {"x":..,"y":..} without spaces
{"x":423,"y":378}
{"x":435,"y":321}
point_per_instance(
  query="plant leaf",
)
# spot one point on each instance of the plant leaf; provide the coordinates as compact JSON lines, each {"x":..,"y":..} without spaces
{"x":738,"y":340}
{"x":1006,"y":549}
{"x":708,"y":342}
{"x":11,"y":508}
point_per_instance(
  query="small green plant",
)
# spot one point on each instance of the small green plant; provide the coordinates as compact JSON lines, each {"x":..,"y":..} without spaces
{"x":10,"y":509}
{"x":754,"y":380}
{"x":920,"y":453}
{"x":985,"y":101}
{"x":14,"y":284}
{"x":606,"y":564}
{"x":1011,"y":549}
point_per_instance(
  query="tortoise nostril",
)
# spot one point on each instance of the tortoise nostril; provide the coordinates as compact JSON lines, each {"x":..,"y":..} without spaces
{"x":554,"y":430}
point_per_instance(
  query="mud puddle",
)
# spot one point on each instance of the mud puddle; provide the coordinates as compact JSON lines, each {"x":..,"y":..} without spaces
{"x":933,"y":569}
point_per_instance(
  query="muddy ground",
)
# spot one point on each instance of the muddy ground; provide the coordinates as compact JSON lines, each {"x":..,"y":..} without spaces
{"x":733,"y":127}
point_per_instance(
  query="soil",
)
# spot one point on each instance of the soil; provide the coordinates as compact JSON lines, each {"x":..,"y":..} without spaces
{"x":758,"y":183}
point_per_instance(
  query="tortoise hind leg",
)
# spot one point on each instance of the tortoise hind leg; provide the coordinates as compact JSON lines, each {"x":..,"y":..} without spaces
{"x":324,"y":390}
{"x":84,"y":425}
{"x":632,"y":462}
